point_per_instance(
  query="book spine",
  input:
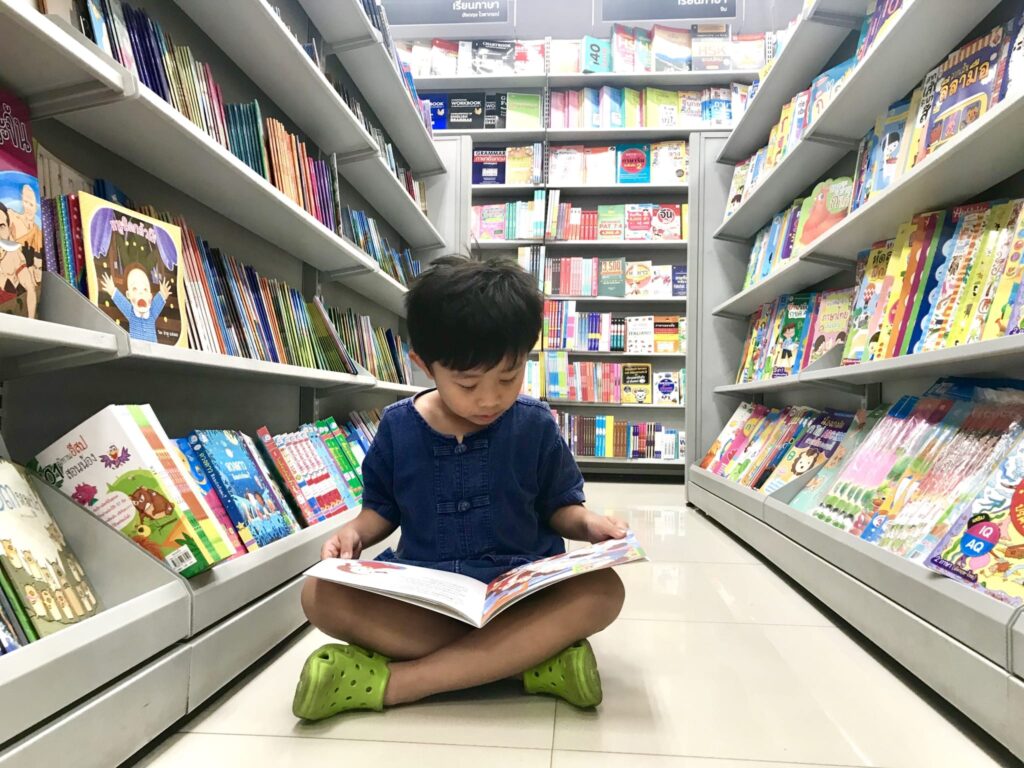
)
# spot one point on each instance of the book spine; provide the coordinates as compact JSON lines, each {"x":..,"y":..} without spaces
{"x":223,"y":490}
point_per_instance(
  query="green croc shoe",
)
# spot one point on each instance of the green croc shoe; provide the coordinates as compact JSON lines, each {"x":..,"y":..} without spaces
{"x":571,"y":675}
{"x":339,"y":678}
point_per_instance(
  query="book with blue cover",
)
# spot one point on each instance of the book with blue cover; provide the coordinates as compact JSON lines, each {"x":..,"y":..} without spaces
{"x":634,"y":164}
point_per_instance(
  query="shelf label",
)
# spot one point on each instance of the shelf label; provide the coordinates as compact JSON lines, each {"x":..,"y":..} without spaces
{"x":658,"y":10}
{"x":414,"y":12}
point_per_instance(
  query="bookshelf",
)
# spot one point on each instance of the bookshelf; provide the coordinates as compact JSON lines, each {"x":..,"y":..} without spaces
{"x":437,"y":83}
{"x":650,"y":79}
{"x":163,"y":645}
{"x":504,"y":190}
{"x":482,"y":136}
{"x":632,"y":406}
{"x":623,"y":300}
{"x":944,"y":634}
{"x":622,"y":189}
{"x":589,"y":353}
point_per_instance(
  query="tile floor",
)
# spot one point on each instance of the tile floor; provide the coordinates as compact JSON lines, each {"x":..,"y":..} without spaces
{"x":716,"y":662}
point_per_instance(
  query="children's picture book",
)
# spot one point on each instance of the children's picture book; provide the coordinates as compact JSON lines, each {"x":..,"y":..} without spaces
{"x":21,"y":233}
{"x":107,"y":465}
{"x":42,"y":571}
{"x":866,"y":302}
{"x":826,"y":206}
{"x":466,"y":599}
{"x":729,"y":431}
{"x":788,"y":346}
{"x":132,"y":271}
{"x":831,"y":322}
{"x":812,"y":449}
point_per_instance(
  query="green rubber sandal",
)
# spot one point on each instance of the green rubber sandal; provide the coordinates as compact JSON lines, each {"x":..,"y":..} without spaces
{"x":571,"y":675}
{"x":340,"y":678}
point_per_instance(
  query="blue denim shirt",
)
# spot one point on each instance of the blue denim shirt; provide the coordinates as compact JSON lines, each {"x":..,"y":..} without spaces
{"x":479,"y":507}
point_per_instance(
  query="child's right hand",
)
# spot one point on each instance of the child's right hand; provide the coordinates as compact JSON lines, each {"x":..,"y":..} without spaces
{"x":346,"y":544}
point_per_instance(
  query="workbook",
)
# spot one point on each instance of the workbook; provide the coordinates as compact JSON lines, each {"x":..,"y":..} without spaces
{"x":466,"y":599}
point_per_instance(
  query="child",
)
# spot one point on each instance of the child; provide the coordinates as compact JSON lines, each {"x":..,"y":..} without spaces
{"x":138,"y":305}
{"x":480,"y":482}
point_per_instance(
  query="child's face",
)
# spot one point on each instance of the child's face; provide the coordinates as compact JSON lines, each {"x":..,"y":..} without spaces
{"x":138,"y":290}
{"x":478,"y":396}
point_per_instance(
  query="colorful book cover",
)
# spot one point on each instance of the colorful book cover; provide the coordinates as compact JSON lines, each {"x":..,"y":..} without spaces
{"x":667,"y":387}
{"x":669,"y":162}
{"x":661,"y":108}
{"x":524,"y":111}
{"x":637,"y":383}
{"x":132,"y":271}
{"x":997,"y":323}
{"x":21,"y":233}
{"x":438,"y":110}
{"x":891,"y":132}
{"x":202,"y":481}
{"x":737,"y":186}
{"x":611,"y":222}
{"x":827,"y":205}
{"x":831,"y":322}
{"x":736,"y":444}
{"x":865,"y":305}
{"x":668,"y":221}
{"x":634,"y":164}
{"x":489,"y":166}
{"x":40,"y":567}
{"x":881,"y":14}
{"x":760,"y":437}
{"x":820,"y":484}
{"x":595,"y":55}
{"x":813,"y":449}
{"x":666,"y":334}
{"x":671,"y":49}
{"x":519,"y":164}
{"x":638,"y":278}
{"x":826,"y":85}
{"x":639,"y":221}
{"x":923,"y":244}
{"x":104,"y":466}
{"x":732,"y":427}
{"x":761,"y":341}
{"x":680,"y":285}
{"x":790,"y":429}
{"x":895,"y":280}
{"x":612,"y":277}
{"x":793,"y":325}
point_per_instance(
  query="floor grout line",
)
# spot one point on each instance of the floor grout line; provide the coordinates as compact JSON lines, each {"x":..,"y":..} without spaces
{"x":729,"y":623}
{"x":312,"y":737}
{"x":689,"y":756}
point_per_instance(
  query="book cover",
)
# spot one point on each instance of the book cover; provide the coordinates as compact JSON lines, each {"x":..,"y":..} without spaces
{"x":826,"y":85}
{"x":667,"y":221}
{"x":639,"y":221}
{"x":634,"y":164}
{"x":519,"y":165}
{"x":623,"y":48}
{"x":132,"y":271}
{"x":21,"y":233}
{"x":495,"y":111}
{"x":813,"y":449}
{"x":202,"y":481}
{"x":831,"y":322}
{"x":595,"y":55}
{"x":671,"y":49}
{"x":865,"y":306}
{"x":638,"y":278}
{"x":612,"y":277}
{"x":669,"y":162}
{"x":661,"y":108}
{"x":611,"y":222}
{"x":438,"y":110}
{"x":711,"y":47}
{"x":679,"y":280}
{"x":826,"y":206}
{"x":896,"y":272}
{"x":666,"y":388}
{"x":488,"y":166}
{"x":661,"y":281}
{"x":795,"y":316}
{"x":40,"y":567}
{"x":466,"y":110}
{"x":493,"y":57}
{"x":732,"y":427}
{"x":525,"y":111}
{"x":998,"y":321}
{"x":732,"y":442}
{"x":104,"y":466}
{"x":637,"y":383}
{"x":891,"y":133}
{"x":640,"y":334}
{"x":666,"y":334}
{"x":814,"y":491}
{"x":444,"y":58}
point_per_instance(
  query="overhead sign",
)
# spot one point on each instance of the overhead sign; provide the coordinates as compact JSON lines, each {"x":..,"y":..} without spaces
{"x":415,"y":12}
{"x":657,"y":10}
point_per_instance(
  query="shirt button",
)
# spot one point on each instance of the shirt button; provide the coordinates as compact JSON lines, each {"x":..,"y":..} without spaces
{"x":463,"y":506}
{"x":460,"y":448}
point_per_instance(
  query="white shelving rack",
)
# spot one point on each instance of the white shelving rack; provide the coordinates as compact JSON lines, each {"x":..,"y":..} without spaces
{"x":162,"y":645}
{"x":959,"y":642}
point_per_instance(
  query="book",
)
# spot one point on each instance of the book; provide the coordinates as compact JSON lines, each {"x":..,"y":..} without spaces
{"x":671,"y":49}
{"x":639,"y":334}
{"x":810,"y":450}
{"x":612,"y":277}
{"x":438,"y":110}
{"x":40,"y":568}
{"x":107,"y":465}
{"x":202,"y":481}
{"x":466,"y":599}
{"x":493,"y":57}
{"x":525,"y":111}
{"x":637,"y":385}
{"x":814,"y":491}
{"x":466,"y":110}
{"x":495,"y":110}
{"x":825,"y":207}
{"x":831,"y":322}
{"x":794,"y":321}
{"x":634,"y":164}
{"x":522,"y":164}
{"x":638,"y":278}
{"x":595,"y":55}
{"x":132,"y":271}
{"x":667,"y":387}
{"x":21,"y":234}
{"x":666,"y":334}
{"x":826,"y":85}
{"x":488,"y":166}
{"x":611,"y":222}
{"x":668,"y":221}
{"x":669,"y":162}
{"x":711,"y":47}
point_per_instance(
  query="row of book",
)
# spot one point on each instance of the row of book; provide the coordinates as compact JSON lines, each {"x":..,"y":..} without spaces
{"x":629,"y":222}
{"x":519,"y":220}
{"x":932,"y":478}
{"x":790,"y":333}
{"x":363,"y":230}
{"x":610,"y":437}
{"x":566,"y":329}
{"x":612,"y":107}
{"x":379,"y":350}
{"x":492,"y":110}
{"x":948,"y":278}
{"x":663,"y":162}
{"x":955,"y":94}
{"x":791,"y":231}
{"x":555,"y":378}
{"x":583,"y":277}
{"x":192,"y":502}
{"x":509,"y":165}
{"x":700,"y":47}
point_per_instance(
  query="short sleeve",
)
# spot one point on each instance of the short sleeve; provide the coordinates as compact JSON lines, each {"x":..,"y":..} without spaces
{"x":561,"y":482}
{"x":379,"y":475}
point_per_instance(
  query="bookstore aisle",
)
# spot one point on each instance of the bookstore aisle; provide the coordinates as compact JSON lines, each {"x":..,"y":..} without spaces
{"x":716,"y":662}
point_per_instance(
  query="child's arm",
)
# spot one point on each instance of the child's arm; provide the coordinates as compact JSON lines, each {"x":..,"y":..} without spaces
{"x":367,"y":529}
{"x":579,"y":523}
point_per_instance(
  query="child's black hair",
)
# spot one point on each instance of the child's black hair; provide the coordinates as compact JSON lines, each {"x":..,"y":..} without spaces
{"x":470,"y":314}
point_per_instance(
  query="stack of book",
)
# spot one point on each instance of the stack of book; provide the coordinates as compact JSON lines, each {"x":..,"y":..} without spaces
{"x":582,"y":277}
{"x":554,"y":378}
{"x":663,"y":162}
{"x":362,"y":230}
{"x":790,"y":333}
{"x":509,"y":165}
{"x":611,"y":437}
{"x":566,"y":329}
{"x":379,"y":350}
{"x":611,"y":107}
{"x":955,"y":454}
{"x":532,"y":259}
{"x":464,"y":58}
{"x":510,"y":221}
{"x":477,"y":110}
{"x":629,"y":222}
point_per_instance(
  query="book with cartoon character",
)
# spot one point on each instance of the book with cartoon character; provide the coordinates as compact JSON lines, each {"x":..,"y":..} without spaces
{"x":812,"y":449}
{"x":132,"y":274}
{"x":21,"y":233}
{"x":466,"y":599}
{"x":826,"y":206}
{"x":107,"y":466}
{"x":41,"y":570}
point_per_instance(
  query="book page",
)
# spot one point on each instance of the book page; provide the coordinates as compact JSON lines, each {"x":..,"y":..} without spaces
{"x":449,"y":593}
{"x":521,"y":582}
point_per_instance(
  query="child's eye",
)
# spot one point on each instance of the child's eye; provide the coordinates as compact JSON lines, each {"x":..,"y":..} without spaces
{"x":508,"y":381}
{"x":469,"y":387}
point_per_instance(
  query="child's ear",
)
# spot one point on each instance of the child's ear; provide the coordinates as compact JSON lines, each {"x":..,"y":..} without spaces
{"x":421,"y":364}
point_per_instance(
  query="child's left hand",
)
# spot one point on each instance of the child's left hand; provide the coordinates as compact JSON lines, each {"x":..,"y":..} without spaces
{"x":600,"y":528}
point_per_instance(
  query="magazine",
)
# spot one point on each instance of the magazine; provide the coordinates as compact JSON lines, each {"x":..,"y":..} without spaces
{"x":465,"y":598}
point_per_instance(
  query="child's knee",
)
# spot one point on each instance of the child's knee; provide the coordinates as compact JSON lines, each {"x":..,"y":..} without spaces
{"x":325,"y":604}
{"x":605,"y":594}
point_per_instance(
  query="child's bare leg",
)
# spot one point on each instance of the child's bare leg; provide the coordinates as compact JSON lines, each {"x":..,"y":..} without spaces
{"x":524,"y":635}
{"x":398,"y":630}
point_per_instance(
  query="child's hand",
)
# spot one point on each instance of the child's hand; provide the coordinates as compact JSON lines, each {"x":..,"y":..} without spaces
{"x":345,"y":544}
{"x":107,"y":284}
{"x":600,"y":528}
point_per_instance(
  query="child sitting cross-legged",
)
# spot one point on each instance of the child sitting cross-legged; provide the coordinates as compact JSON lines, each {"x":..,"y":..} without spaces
{"x":480,"y":481}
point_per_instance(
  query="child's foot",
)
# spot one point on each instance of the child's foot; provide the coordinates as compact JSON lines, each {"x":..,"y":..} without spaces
{"x":339,"y":678}
{"x":571,"y":675}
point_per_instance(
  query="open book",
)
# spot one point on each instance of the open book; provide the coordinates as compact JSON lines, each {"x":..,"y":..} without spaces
{"x":467,"y":599}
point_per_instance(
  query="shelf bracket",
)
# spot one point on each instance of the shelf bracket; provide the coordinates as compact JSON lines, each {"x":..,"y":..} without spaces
{"x":335,"y":275}
{"x":51,"y":359}
{"x":834,"y":141}
{"x":830,"y":261}
{"x":733,"y":239}
{"x":834,"y":19}
{"x":358,"y":156}
{"x":730,"y":315}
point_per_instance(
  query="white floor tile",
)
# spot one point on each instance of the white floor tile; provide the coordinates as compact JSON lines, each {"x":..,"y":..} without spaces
{"x":749,"y":692}
{"x":198,"y":750}
{"x":565,"y":759}
{"x":496,"y":716}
